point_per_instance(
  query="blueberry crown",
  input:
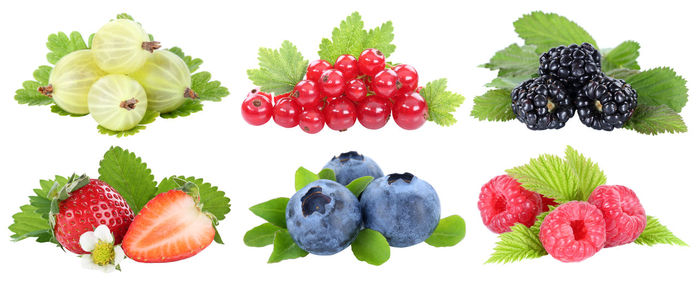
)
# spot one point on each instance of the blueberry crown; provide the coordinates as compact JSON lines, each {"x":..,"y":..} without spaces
{"x":406,"y":177}
{"x":344,"y":157}
{"x":314,"y":201}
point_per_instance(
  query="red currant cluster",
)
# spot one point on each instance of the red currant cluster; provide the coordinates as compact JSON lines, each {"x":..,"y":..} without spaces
{"x":337,"y":95}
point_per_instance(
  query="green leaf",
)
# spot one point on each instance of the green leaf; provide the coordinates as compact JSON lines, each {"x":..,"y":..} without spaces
{"x":192,"y":63}
{"x":212,"y":199}
{"x":547,"y":30}
{"x":550,"y":176}
{"x":450,"y":231}
{"x":507,"y":83}
{"x":521,"y":243}
{"x":358,"y":185}
{"x":148,"y":117}
{"x":515,"y":61}
{"x":656,"y":233}
{"x":261,"y":235}
{"x":124,"y":16}
{"x":351,"y":38}
{"x":371,"y":247}
{"x":280,"y":70}
{"x":621,"y":73}
{"x":189,"y":107}
{"x":61,"y":112}
{"x":273,"y":211}
{"x":588,"y":173}
{"x":441,"y":103}
{"x":655,"y":120}
{"x":29,"y":93}
{"x":660,"y":86}
{"x":303,"y":177}
{"x":285,"y":248}
{"x":60,"y":45}
{"x":327,"y":173}
{"x":127,"y":174}
{"x":495,"y":105}
{"x":623,"y":56}
{"x":29,"y":223}
{"x":207,"y":89}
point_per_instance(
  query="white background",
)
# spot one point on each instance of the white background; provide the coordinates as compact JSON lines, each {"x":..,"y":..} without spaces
{"x":254,"y":164}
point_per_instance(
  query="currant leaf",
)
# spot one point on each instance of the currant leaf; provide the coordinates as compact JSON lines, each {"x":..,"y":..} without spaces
{"x":280,"y":70}
{"x":441,"y":103}
{"x":351,"y":38}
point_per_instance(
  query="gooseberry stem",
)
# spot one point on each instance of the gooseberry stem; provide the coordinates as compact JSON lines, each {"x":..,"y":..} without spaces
{"x":150,"y":46}
{"x":189,"y":93}
{"x":46,"y":90}
{"x":129,"y":104}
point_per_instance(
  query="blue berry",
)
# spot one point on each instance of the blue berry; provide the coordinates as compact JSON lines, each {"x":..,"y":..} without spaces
{"x":404,"y":208}
{"x":323,"y":218}
{"x":351,"y":165}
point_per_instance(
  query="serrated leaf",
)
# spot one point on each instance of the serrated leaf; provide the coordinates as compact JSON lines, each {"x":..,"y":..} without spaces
{"x":42,"y":74}
{"x":380,"y":38}
{"x":60,"y":45}
{"x":515,"y":61}
{"x":120,"y":134}
{"x":521,"y":243}
{"x":588,"y":173}
{"x":149,"y":117}
{"x":441,"y":103}
{"x":285,"y":248}
{"x":212,"y":199}
{"x":30,"y":96}
{"x":129,"y":176}
{"x":660,"y":86}
{"x":547,"y":30}
{"x":261,"y":235}
{"x":327,"y":173}
{"x":358,"y":185}
{"x":507,"y":83}
{"x":303,"y":177}
{"x":621,"y":73}
{"x":280,"y":70}
{"x":192,"y":63}
{"x":124,"y":16}
{"x":61,"y":112}
{"x":189,"y":107}
{"x":656,"y":233}
{"x":655,"y":120}
{"x":371,"y":247}
{"x":623,"y":56}
{"x":273,"y":211}
{"x":351,"y":38}
{"x":28,"y":223}
{"x":495,"y":105}
{"x":207,"y":89}
{"x":450,"y":231}
{"x":550,"y":176}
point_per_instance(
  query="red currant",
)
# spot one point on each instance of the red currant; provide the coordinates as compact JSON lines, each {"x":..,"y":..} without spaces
{"x":332,"y":83}
{"x":419,"y":89}
{"x":410,"y":111}
{"x":371,"y":61}
{"x":256,"y":108}
{"x":356,"y":90}
{"x":340,"y":114}
{"x":385,"y":83}
{"x":373,"y":112}
{"x":316,"y":68}
{"x":347,"y":64}
{"x":311,"y":121}
{"x":408,"y":78}
{"x":306,"y":93}
{"x":286,"y":112}
{"x":281,"y":96}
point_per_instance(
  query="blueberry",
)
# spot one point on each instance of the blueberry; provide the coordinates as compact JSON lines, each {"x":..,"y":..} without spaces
{"x":351,"y":165}
{"x":404,"y":208}
{"x":323,"y":218}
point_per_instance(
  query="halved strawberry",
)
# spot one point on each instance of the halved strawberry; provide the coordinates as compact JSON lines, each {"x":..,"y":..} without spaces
{"x":170,"y":227}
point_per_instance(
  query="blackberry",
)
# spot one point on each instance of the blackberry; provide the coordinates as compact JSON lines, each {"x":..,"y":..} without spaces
{"x":574,"y":65}
{"x":606,"y":103}
{"x":542,"y":103}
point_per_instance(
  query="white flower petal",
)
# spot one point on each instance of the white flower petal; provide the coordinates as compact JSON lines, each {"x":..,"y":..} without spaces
{"x":88,"y":241}
{"x":86,"y":261}
{"x":108,"y":268}
{"x":119,"y":255}
{"x":103,"y":234}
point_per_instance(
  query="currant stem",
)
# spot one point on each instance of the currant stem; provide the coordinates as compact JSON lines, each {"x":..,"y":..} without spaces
{"x":150,"y":46}
{"x":46,"y":90}
{"x":189,"y":93}
{"x":129,"y":104}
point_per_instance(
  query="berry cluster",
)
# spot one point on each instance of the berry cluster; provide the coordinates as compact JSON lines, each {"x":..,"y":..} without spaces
{"x":339,"y":94}
{"x":571,"y":80}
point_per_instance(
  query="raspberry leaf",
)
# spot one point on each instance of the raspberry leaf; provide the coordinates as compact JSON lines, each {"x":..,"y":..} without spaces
{"x":623,"y":56}
{"x":514,"y":61}
{"x":280,"y":70}
{"x":660,"y":86}
{"x":441,"y":103}
{"x":653,"y":120}
{"x":130,"y":176}
{"x":327,"y":173}
{"x":285,"y":248}
{"x":550,"y":176}
{"x":261,"y":236}
{"x":273,"y":211}
{"x":547,"y":30}
{"x":521,"y":243}
{"x":371,"y":247}
{"x":303,"y":177}
{"x":450,"y":231}
{"x":192,"y":63}
{"x":60,"y":45}
{"x":359,"y":185}
{"x":351,"y":38}
{"x":588,"y":173}
{"x":495,"y":105}
{"x":656,"y":233}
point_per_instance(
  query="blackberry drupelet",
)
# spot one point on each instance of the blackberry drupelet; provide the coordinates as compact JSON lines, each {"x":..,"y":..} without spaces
{"x":606,"y":103}
{"x":575,"y":65}
{"x":542,"y":103}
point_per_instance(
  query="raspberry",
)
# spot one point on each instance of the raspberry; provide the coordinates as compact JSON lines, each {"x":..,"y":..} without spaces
{"x":546,"y":202}
{"x":573,"y":64}
{"x":605,"y":103}
{"x":542,"y":103}
{"x":574,"y":231}
{"x":624,"y":215}
{"x":503,"y":202}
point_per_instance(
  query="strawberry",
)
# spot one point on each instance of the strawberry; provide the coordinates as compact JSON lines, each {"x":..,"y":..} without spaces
{"x":81,"y":206}
{"x":170,"y":227}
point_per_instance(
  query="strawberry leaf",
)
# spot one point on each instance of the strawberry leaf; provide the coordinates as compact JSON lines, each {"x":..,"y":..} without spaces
{"x":130,"y":176}
{"x":212,"y":199}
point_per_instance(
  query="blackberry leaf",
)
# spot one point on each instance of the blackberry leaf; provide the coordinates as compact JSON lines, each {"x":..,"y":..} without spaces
{"x":515,"y":60}
{"x":547,"y":30}
{"x":60,"y":45}
{"x":550,"y":176}
{"x":371,"y":247}
{"x":656,"y":233}
{"x":621,"y":73}
{"x":441,"y":103}
{"x":660,"y":86}
{"x":623,"y":56}
{"x":285,"y":248}
{"x":588,"y":173}
{"x":130,"y":176}
{"x":508,"y":82}
{"x":521,"y":243}
{"x":653,"y":120}
{"x":495,"y":105}
{"x":280,"y":70}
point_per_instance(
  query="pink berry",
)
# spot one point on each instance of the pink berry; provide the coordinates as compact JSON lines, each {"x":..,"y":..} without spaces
{"x":371,"y":61}
{"x":384,"y":83}
{"x":546,"y":202}
{"x":332,"y":83}
{"x":347,"y":64}
{"x":574,"y":231}
{"x":624,"y":215}
{"x":503,"y":202}
{"x":256,"y":108}
{"x":316,"y":68}
{"x":408,"y":78}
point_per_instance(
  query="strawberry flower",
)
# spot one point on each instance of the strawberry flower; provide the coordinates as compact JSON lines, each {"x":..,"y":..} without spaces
{"x":103,"y":254}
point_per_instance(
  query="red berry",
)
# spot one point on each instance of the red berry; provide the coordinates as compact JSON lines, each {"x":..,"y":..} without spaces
{"x":311,"y":121}
{"x":347,"y":64}
{"x":546,"y":202}
{"x":574,"y":231}
{"x":384,"y":83}
{"x":332,"y":83}
{"x":286,"y":112}
{"x":340,"y":114}
{"x":624,"y":215}
{"x":256,"y":108}
{"x":371,"y":62}
{"x":356,"y":90}
{"x":316,"y":68}
{"x":373,"y":112}
{"x":503,"y":202}
{"x":306,"y":93}
{"x":410,"y":111}
{"x":408,"y":78}
{"x":281,"y":96}
{"x":419,"y":89}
